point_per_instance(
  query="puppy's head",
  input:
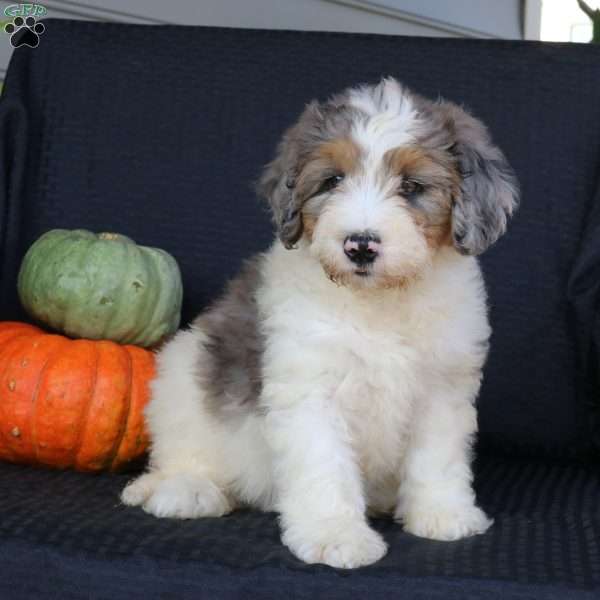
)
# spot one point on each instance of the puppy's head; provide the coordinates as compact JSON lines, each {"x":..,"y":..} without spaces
{"x":377,"y":179}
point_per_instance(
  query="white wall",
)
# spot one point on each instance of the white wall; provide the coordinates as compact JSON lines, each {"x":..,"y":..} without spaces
{"x":454,"y":18}
{"x":566,"y":22}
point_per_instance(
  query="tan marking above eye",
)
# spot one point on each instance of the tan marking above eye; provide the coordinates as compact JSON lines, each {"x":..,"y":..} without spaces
{"x":338,"y":157}
{"x":342,"y":154}
{"x":434,"y":172}
{"x":409,"y":160}
{"x":426,"y":166}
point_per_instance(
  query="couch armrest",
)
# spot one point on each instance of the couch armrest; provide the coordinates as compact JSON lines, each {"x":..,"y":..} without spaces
{"x":584,"y":298}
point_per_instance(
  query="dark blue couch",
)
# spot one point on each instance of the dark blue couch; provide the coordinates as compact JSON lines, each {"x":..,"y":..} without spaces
{"x":133,"y":128}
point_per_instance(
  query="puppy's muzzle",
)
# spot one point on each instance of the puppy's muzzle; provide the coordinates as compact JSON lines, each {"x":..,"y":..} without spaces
{"x":362,"y":248}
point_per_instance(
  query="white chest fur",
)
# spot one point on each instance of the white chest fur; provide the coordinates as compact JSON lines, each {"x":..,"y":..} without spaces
{"x":371,"y":356}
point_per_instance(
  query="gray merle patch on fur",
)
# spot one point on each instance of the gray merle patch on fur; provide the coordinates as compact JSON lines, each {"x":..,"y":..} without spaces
{"x":319,"y":123}
{"x":489,"y":189}
{"x":229,"y":367}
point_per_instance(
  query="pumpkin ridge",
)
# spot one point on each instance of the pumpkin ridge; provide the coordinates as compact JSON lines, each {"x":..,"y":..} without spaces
{"x":14,"y":353}
{"x":129,"y":415}
{"x":70,"y":313}
{"x":176,"y":318}
{"x":11,"y":352}
{"x":162,"y":262}
{"x":135,"y":441}
{"x":119,"y":439}
{"x":36,"y":393}
{"x":59,"y":324}
{"x":126,"y":249}
{"x":85,"y":300}
{"x":84,"y":416}
{"x":127,"y":303}
{"x":142,"y":307}
{"x":144,"y":332}
{"x":26,"y":281}
{"x":172,"y":296}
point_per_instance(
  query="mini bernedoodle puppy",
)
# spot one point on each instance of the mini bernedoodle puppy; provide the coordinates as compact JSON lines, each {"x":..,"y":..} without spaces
{"x":337,"y":375}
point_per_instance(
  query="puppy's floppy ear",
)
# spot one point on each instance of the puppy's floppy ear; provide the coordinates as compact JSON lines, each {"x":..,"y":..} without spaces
{"x":489,"y":190}
{"x":278,"y":181}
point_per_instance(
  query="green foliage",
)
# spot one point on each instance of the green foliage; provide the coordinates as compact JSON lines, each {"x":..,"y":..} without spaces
{"x":594,"y":15}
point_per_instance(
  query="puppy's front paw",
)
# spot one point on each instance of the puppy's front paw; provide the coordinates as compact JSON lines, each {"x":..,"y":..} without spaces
{"x":139,"y":490}
{"x":445,"y":524}
{"x":338,"y":543}
{"x":182,"y":496}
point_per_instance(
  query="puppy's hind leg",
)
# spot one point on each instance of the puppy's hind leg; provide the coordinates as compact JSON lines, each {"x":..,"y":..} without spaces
{"x":186,"y":479}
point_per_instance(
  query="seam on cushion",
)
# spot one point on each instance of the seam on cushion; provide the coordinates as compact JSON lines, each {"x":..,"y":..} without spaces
{"x":583,"y":295}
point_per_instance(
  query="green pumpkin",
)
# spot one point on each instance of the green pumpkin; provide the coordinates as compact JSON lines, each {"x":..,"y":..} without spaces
{"x":101,"y":286}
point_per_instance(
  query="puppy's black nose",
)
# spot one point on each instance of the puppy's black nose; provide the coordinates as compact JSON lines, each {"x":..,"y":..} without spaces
{"x":362,"y":248}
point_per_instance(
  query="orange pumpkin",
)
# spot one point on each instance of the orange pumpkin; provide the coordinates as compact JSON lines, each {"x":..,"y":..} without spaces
{"x":71,"y":403}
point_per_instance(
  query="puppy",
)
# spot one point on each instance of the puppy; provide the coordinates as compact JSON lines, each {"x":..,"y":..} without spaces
{"x":337,"y":375}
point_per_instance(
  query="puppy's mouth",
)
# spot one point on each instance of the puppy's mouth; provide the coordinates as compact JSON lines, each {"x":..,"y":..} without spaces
{"x":362,"y":272}
{"x":360,"y":277}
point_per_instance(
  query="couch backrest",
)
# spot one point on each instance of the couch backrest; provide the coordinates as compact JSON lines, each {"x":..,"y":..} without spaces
{"x":160,"y":132}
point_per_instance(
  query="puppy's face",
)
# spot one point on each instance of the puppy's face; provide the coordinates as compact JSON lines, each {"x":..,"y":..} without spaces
{"x":375,"y":211}
{"x":377,"y":180}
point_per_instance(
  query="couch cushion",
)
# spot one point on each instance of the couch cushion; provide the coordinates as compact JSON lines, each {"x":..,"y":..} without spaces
{"x":159,"y":133}
{"x":67,"y":535}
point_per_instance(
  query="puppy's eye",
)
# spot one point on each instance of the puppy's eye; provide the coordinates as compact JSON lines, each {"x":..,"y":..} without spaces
{"x":410,"y":188}
{"x":330,"y":183}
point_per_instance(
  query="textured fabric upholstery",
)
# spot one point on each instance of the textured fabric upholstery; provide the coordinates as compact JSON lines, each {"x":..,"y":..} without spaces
{"x":159,"y":133}
{"x":68,"y":532}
